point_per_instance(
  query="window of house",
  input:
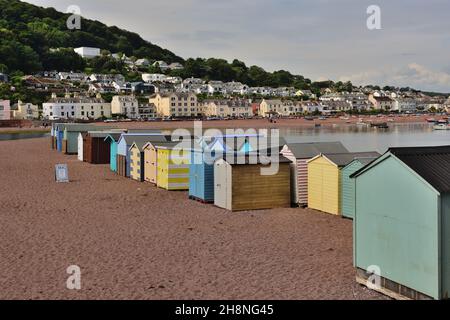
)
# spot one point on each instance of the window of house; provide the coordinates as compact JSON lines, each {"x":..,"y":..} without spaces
{"x":73,"y":113}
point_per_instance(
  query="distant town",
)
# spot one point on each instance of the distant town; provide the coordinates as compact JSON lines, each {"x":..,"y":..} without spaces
{"x":159,"y":96}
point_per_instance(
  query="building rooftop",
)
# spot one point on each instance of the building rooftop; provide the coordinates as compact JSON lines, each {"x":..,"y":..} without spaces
{"x":310,"y":150}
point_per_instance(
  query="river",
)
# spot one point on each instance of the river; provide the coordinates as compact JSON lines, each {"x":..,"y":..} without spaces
{"x":357,"y":138}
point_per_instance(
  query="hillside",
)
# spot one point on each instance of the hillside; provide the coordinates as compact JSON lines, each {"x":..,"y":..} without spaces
{"x":27,"y":32}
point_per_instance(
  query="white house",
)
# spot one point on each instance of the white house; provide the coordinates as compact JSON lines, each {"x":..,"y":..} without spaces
{"x":76,"y":107}
{"x":5,"y":110}
{"x":88,"y":52}
{"x":176,"y":66}
{"x":236,"y":108}
{"x":125,"y":105}
{"x":162,"y":65}
{"x":154,"y":77}
{"x":305,"y":93}
{"x":216,"y":87}
{"x":405,"y":105}
{"x":72,"y":76}
{"x":142,"y":63}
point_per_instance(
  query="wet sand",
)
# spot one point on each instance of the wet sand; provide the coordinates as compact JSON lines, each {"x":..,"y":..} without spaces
{"x":134,"y":241}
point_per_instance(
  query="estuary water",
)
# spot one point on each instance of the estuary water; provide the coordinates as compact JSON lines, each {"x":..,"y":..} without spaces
{"x":358,"y":138}
{"x":19,"y":136}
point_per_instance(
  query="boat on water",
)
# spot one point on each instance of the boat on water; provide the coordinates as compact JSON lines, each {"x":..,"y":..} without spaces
{"x":379,"y":125}
{"x":443,"y":121}
{"x":441,"y":126}
{"x":431,"y":120}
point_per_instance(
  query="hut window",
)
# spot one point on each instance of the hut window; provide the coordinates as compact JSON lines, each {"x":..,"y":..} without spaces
{"x":82,"y":113}
{"x":73,"y":113}
{"x":92,"y":113}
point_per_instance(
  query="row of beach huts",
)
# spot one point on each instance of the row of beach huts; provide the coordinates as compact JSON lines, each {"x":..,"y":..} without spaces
{"x":399,"y":201}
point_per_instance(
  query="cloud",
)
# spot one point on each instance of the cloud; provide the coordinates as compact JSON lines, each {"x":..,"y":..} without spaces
{"x":412,"y":75}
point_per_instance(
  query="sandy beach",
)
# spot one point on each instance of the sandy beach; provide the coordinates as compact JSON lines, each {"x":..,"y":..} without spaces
{"x":134,"y":241}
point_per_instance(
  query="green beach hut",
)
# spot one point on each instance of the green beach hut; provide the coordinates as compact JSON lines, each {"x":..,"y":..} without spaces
{"x":402,"y":222}
{"x":348,"y":186}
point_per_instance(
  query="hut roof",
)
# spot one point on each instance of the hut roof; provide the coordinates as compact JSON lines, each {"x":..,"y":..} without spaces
{"x":139,"y":144}
{"x":167,"y":145}
{"x":81,"y":128}
{"x":130,"y":138}
{"x":310,"y":150}
{"x":113,"y":136}
{"x":249,"y":158}
{"x":343,"y":159}
{"x":431,"y":163}
{"x":103,"y":134}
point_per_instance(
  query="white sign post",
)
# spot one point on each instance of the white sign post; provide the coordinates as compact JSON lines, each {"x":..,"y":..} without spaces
{"x":61,"y":173}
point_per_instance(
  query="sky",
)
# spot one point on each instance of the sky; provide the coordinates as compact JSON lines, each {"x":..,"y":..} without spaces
{"x":319,"y":39}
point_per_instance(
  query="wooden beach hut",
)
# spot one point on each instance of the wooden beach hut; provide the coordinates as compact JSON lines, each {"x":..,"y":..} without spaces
{"x":324,"y":180}
{"x":137,"y":167}
{"x":172,"y":166}
{"x":123,"y":146}
{"x":300,"y":154}
{"x":239,"y":183}
{"x":402,"y":222}
{"x":348,"y":186}
{"x":95,"y":149}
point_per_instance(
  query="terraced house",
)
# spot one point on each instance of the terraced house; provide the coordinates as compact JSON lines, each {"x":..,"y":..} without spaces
{"x":284,"y":108}
{"x":76,"y":107}
{"x":176,"y":105}
{"x":235,"y":108}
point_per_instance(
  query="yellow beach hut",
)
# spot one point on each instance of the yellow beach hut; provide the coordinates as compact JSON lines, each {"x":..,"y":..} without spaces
{"x":324,"y":180}
{"x":137,"y":161}
{"x":172,"y":166}
{"x":150,"y":162}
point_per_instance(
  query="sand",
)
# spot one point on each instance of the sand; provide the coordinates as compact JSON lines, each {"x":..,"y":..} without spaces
{"x":134,"y":241}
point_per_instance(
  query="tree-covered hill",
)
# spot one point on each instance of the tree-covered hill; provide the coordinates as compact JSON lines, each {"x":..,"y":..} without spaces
{"x":28,"y":32}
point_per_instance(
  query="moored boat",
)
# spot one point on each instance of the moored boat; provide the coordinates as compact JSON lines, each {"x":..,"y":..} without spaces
{"x":441,"y":126}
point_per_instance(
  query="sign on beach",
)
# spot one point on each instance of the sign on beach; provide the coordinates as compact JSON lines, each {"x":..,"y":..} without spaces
{"x":61,"y":173}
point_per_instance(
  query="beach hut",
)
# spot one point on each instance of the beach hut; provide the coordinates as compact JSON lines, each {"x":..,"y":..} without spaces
{"x":70,"y":137}
{"x":348,"y":186}
{"x":172,"y":166}
{"x":137,"y":168}
{"x":95,"y":149}
{"x":203,"y":156}
{"x":81,"y":138}
{"x":240,"y":184}
{"x":402,"y":222}
{"x":324,"y":180}
{"x":300,"y":154}
{"x":53,"y":136}
{"x":123,"y":146}
{"x":113,"y":139}
{"x":59,"y":136}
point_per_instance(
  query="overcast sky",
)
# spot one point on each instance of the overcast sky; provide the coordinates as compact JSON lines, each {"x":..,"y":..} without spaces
{"x":320,"y":39}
